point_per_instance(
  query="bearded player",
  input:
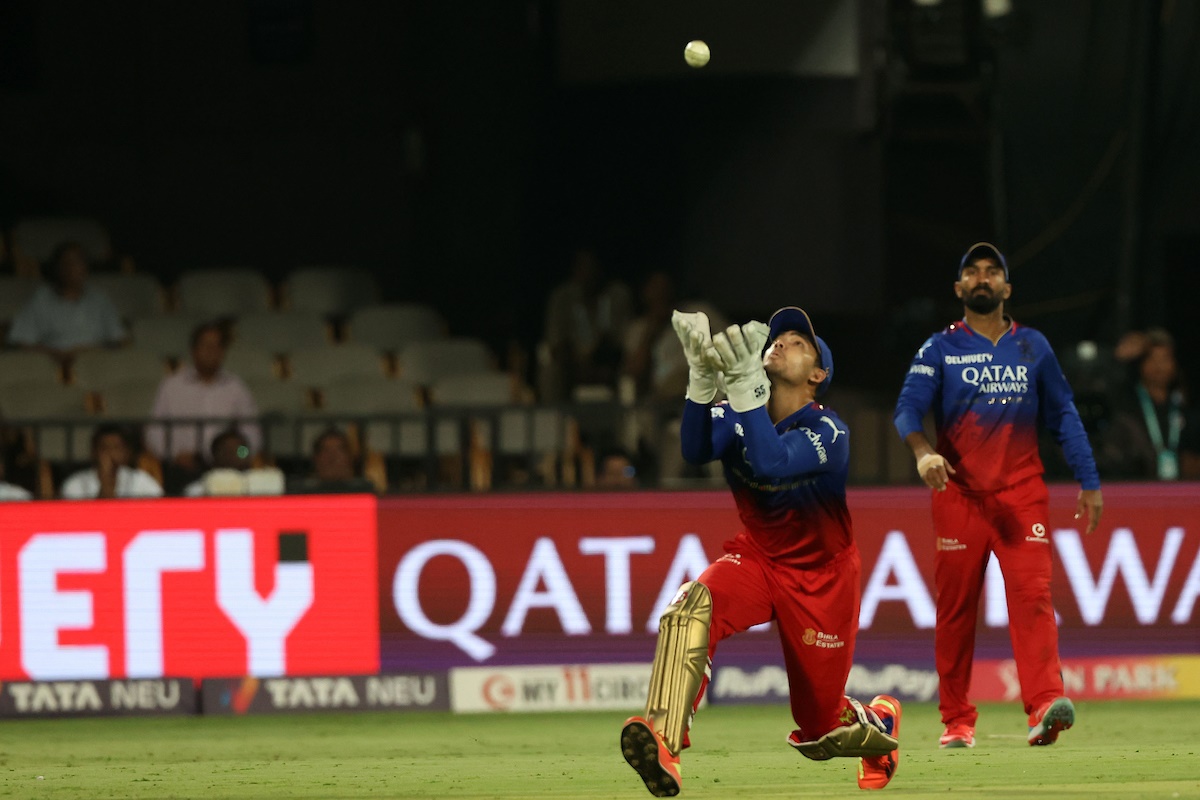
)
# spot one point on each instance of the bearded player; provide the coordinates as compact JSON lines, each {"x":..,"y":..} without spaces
{"x":991,"y":382}
{"x":793,"y":562}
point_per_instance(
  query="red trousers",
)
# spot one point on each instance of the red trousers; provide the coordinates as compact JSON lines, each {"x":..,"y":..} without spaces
{"x":1013,"y":524}
{"x":816,"y":612}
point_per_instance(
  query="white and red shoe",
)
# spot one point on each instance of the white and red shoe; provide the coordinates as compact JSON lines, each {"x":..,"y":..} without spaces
{"x":957,"y":734}
{"x":1050,"y":720}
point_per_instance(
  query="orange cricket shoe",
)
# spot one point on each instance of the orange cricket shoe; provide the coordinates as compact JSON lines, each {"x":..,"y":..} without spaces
{"x":646,"y":752}
{"x":1050,"y":720}
{"x":957,"y":734}
{"x":876,"y":771}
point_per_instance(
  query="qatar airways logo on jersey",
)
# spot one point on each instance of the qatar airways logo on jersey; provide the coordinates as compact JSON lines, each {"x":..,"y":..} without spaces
{"x":997,"y":379}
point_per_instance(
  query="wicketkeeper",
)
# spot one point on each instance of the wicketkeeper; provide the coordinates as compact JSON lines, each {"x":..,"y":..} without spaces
{"x":794,"y":561}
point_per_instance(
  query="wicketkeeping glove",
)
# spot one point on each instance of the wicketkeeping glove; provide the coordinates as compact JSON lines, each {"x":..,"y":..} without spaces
{"x":737,"y":354}
{"x":693,"y":333}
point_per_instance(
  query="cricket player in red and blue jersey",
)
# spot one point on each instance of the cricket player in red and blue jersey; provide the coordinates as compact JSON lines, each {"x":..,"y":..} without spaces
{"x":991,"y":383}
{"x":793,"y":562}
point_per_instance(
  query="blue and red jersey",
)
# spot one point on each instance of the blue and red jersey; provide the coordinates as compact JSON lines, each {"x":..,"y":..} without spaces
{"x":988,"y":401}
{"x":788,"y":479}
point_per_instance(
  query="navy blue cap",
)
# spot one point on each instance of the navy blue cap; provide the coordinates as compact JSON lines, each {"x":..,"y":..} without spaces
{"x":791,"y":318}
{"x":983,"y":250}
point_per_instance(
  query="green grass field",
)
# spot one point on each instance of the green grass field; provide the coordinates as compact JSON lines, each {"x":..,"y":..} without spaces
{"x":1117,"y":750}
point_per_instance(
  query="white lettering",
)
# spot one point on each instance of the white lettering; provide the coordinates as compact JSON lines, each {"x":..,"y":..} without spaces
{"x":147,"y":557}
{"x":616,"y":551}
{"x":45,"y":610}
{"x":1122,"y":557}
{"x":481,"y":596}
{"x":265,"y":624}
{"x":896,"y":559}
{"x":545,"y":566}
{"x":688,"y":563}
{"x":144,"y":694}
{"x":1187,"y":595}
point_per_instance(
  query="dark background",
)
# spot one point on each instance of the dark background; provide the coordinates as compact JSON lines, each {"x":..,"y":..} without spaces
{"x":838,"y":154}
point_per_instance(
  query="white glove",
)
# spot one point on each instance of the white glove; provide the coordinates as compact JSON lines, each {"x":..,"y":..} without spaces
{"x":693,"y":333}
{"x":737,"y":353}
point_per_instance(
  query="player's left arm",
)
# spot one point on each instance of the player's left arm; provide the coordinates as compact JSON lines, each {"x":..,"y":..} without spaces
{"x":814,"y":447}
{"x":1056,"y":406}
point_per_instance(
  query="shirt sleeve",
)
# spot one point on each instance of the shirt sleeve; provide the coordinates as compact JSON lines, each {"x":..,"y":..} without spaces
{"x":1056,"y":404}
{"x":920,"y":386}
{"x":701,"y":439}
{"x":75,"y":487}
{"x":797,"y":451}
{"x":143,"y":484}
{"x":113,"y":330}
{"x":155,"y":436}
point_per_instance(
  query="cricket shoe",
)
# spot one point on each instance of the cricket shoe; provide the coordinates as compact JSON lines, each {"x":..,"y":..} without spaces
{"x":875,"y":772}
{"x":957,"y":735}
{"x":1051,"y":720}
{"x":647,"y":753}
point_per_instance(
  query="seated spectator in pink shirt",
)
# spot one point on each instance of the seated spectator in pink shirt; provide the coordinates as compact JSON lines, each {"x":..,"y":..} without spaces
{"x":204,"y":400}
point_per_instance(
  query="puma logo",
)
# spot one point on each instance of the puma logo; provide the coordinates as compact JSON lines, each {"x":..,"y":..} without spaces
{"x":836,"y":429}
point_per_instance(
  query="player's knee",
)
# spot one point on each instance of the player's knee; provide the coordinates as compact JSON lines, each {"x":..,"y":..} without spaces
{"x":693,"y":601}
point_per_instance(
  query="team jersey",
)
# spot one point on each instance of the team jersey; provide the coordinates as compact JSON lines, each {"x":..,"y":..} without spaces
{"x":988,"y":401}
{"x":788,"y":480}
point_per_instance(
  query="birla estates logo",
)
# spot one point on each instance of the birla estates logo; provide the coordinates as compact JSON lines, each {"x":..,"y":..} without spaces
{"x":948,"y":543}
{"x":1039,"y":533}
{"x":822,"y":639}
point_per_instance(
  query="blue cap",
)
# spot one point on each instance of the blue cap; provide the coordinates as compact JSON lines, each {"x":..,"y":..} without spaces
{"x":983,"y":250}
{"x":791,"y":318}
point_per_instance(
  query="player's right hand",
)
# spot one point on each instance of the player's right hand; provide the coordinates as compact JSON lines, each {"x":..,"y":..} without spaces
{"x":935,"y":470}
{"x":737,"y":353}
{"x":693,"y":332}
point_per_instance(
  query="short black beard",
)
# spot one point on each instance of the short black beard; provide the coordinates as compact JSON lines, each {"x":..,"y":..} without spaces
{"x":982,"y":303}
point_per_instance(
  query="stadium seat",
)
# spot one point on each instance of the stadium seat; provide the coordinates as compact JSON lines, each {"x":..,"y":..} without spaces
{"x":36,"y":237}
{"x":15,"y":291}
{"x":430,"y":361}
{"x":405,"y":435}
{"x":279,"y":403}
{"x":331,"y":291}
{"x":166,"y":335}
{"x":56,"y":415}
{"x":252,"y":363}
{"x":128,"y":399}
{"x":321,"y":367}
{"x":134,"y":294}
{"x":281,"y":332}
{"x":27,"y":366}
{"x":223,"y":291}
{"x":391,"y":327}
{"x":95,"y":369}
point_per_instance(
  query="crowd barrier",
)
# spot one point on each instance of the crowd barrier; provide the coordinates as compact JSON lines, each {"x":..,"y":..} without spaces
{"x":536,"y":601}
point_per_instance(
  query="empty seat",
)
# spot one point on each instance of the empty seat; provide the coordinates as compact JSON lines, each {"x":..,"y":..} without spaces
{"x":224,"y":291}
{"x":252,"y":363}
{"x":27,"y":366}
{"x":322,"y":366}
{"x":129,"y":399}
{"x":282,"y":331}
{"x":330,"y":290}
{"x":57,"y":414}
{"x":393,"y":326}
{"x":133,"y":294}
{"x":15,"y":291}
{"x":165,"y":335}
{"x":36,"y":237}
{"x":405,"y":434}
{"x":95,"y":369}
{"x":431,"y":361}
{"x":282,"y":404}
{"x":473,"y":389}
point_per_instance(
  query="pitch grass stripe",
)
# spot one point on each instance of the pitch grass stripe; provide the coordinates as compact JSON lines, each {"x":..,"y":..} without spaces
{"x":1116,"y":751}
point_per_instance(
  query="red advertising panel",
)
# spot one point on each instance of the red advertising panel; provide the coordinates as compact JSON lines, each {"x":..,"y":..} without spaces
{"x":196,"y":588}
{"x":580,"y":578}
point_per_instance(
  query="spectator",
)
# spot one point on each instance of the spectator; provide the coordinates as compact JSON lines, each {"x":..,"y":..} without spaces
{"x":200,"y":391}
{"x":10,"y":491}
{"x":584,"y":329}
{"x":335,"y":469}
{"x":67,"y":315}
{"x":615,"y":471}
{"x":1152,"y":434}
{"x":230,"y":451}
{"x":110,"y":474}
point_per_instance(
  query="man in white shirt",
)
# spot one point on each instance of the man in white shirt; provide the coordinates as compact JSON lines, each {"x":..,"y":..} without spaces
{"x":68,"y":315}
{"x":110,"y":474}
{"x":199,"y":391}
